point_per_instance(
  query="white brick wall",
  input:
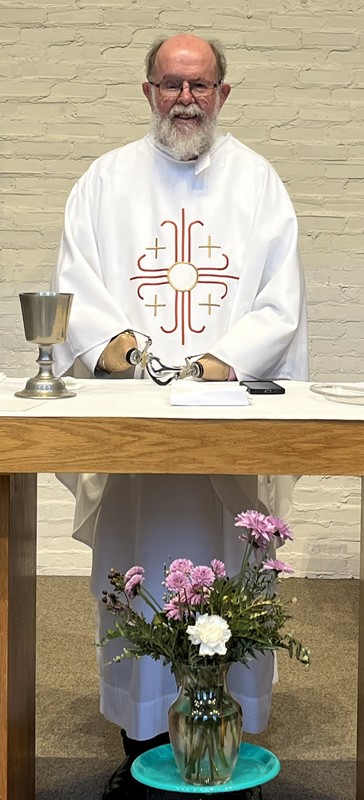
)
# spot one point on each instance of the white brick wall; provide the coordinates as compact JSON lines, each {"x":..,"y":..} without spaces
{"x":70,"y":73}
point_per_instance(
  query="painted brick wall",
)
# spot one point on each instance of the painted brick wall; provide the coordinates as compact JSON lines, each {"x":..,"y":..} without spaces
{"x":70,"y":74}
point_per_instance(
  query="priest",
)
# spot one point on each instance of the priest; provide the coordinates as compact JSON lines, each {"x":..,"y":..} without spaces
{"x":189,"y":237}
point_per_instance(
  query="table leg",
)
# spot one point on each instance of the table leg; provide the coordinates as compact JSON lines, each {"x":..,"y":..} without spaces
{"x":18,"y":520}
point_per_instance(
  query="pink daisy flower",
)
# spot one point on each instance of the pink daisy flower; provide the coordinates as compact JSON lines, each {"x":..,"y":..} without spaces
{"x":277,"y":566}
{"x":133,"y":571}
{"x":181,"y":565}
{"x":218,"y":568}
{"x":281,"y":529}
{"x":173,"y":609}
{"x":175,"y":581}
{"x":261,"y":527}
{"x":201,"y":576}
{"x":196,"y":596}
{"x":132,"y":584}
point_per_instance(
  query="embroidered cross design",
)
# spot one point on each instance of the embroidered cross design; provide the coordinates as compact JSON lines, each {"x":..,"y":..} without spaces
{"x":182,"y":275}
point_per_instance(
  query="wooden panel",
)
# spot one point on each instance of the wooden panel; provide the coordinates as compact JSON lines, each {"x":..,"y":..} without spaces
{"x":130,"y":445}
{"x":182,"y":446}
{"x":17,"y":636}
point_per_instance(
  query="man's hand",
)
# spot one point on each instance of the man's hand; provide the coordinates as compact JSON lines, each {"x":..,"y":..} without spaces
{"x":113,"y":358}
{"x":213,"y":368}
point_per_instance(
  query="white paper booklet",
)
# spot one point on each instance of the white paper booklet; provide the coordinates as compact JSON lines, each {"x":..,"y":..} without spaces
{"x":208,"y":393}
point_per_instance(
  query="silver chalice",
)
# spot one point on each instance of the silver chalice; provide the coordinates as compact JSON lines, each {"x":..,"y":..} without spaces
{"x":45,"y":318}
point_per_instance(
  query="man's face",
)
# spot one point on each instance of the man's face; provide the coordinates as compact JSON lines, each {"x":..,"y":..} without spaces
{"x":185,"y":123}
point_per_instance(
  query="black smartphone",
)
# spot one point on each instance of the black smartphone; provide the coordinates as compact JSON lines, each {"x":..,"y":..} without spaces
{"x":263,"y":387}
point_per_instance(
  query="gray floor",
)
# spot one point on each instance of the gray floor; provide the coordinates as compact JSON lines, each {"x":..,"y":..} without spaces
{"x":312,"y":728}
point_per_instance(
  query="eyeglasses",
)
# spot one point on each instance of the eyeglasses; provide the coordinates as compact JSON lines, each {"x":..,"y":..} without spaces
{"x":169,"y":88}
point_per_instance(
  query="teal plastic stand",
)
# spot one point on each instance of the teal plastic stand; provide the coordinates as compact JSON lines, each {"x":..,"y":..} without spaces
{"x":157,"y":768}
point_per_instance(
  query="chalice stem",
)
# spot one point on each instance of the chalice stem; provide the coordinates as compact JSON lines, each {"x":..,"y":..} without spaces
{"x":45,"y":361}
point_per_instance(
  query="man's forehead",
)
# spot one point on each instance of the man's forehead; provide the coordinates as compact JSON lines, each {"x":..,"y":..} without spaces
{"x":175,"y":58}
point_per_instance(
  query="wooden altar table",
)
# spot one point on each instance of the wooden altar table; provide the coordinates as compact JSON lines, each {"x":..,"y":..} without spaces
{"x":31,"y":445}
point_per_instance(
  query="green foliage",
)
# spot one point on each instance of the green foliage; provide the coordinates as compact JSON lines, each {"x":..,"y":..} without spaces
{"x":248,"y":602}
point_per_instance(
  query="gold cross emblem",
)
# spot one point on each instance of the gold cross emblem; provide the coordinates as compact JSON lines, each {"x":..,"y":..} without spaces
{"x":155,"y":305}
{"x":209,"y":246}
{"x":156,"y":248}
{"x":210,"y":304}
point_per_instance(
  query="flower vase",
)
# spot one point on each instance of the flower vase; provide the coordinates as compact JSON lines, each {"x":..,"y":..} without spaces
{"x":205,"y":724}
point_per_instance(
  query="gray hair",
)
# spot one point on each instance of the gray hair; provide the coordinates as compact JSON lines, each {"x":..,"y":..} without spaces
{"x":216,"y":48}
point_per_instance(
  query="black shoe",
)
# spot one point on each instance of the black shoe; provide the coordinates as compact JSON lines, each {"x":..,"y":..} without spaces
{"x":121,"y":785}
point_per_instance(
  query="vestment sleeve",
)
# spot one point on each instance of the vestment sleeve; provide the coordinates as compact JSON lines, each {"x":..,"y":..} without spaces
{"x":269,"y":340}
{"x":95,"y":317}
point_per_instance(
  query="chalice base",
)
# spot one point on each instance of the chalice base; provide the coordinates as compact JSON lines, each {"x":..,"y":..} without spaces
{"x":45,"y":389}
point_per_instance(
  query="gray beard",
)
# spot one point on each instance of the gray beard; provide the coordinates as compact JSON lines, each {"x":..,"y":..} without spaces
{"x":189,"y":144}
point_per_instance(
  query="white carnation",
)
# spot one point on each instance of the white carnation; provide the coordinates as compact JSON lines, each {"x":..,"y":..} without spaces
{"x":211,"y":632}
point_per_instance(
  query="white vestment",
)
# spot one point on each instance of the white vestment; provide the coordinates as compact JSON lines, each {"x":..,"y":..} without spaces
{"x":202,"y":256}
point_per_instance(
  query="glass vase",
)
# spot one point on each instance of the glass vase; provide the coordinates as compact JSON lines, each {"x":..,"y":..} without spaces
{"x":205,"y":724}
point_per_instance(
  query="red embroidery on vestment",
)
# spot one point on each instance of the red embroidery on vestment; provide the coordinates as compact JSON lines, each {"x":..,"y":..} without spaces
{"x":182,"y":274}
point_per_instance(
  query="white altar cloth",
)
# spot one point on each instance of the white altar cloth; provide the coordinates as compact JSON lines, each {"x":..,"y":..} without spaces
{"x":144,"y":399}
